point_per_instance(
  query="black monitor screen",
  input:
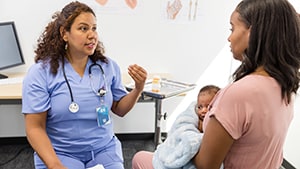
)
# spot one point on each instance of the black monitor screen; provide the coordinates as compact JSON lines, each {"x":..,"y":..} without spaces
{"x":10,"y":50}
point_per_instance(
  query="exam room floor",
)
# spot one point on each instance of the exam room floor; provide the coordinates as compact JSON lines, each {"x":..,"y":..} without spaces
{"x":19,"y":155}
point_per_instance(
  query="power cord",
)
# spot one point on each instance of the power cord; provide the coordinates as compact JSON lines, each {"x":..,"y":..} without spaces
{"x":15,"y":156}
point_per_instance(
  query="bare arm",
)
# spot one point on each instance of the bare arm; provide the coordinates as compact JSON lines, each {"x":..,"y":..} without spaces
{"x":36,"y":134}
{"x":123,"y":106}
{"x":214,"y":146}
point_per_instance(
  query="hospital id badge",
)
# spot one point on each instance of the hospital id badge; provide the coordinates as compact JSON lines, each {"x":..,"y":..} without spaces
{"x":102,"y":115}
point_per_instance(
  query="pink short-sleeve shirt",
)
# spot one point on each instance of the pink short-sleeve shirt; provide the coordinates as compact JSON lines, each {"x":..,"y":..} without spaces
{"x":253,"y":112}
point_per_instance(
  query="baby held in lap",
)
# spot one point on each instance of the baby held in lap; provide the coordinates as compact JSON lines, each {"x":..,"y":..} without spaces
{"x":183,"y":139}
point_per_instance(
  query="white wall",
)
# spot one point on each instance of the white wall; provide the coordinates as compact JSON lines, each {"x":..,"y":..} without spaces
{"x":192,"y":52}
{"x":144,"y":37}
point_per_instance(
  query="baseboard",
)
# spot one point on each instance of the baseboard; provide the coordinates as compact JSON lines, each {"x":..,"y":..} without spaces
{"x":287,"y":165}
{"x":135,"y":136}
{"x":13,"y":140}
{"x":121,"y":136}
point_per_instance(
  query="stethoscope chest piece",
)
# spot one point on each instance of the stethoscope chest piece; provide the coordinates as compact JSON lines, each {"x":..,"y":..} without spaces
{"x":101,"y":92}
{"x":74,"y":107}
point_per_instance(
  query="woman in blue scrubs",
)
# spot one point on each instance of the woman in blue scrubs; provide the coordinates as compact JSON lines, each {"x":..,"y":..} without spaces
{"x":69,"y":92}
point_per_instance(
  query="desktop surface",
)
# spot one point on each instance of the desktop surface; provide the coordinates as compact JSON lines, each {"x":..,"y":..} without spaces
{"x":11,"y":87}
{"x":11,"y":80}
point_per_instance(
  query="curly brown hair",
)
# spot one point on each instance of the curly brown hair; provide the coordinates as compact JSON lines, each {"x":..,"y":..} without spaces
{"x":51,"y":46}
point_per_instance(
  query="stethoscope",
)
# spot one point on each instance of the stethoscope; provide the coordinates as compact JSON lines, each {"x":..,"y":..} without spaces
{"x":74,"y":107}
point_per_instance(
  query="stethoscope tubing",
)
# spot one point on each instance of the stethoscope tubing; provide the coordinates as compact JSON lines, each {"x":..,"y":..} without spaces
{"x":101,"y":92}
{"x":67,"y":81}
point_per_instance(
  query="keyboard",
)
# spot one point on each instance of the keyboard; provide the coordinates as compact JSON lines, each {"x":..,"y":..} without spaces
{"x":11,"y":80}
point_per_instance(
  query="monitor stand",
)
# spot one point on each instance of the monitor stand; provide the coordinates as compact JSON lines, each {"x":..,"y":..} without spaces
{"x":3,"y":76}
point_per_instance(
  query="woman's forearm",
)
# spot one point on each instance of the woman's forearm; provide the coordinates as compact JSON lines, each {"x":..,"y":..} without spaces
{"x":122,"y":107}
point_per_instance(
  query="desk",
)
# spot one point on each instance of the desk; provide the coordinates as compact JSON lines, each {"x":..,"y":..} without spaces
{"x":12,"y":124}
{"x":11,"y":93}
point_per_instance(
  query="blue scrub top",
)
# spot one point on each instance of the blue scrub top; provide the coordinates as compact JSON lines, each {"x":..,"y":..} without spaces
{"x":73,"y":132}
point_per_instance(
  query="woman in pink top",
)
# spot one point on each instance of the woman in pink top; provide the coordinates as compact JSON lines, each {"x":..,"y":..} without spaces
{"x":252,"y":115}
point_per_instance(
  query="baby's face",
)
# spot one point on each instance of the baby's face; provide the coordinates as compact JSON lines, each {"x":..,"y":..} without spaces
{"x":203,"y":102}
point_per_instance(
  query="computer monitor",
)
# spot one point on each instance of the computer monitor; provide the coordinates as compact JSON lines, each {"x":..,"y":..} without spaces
{"x":10,"y":49}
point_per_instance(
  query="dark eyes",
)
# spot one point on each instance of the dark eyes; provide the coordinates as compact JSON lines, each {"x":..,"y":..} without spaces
{"x":200,"y":107}
{"x":86,"y":28}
